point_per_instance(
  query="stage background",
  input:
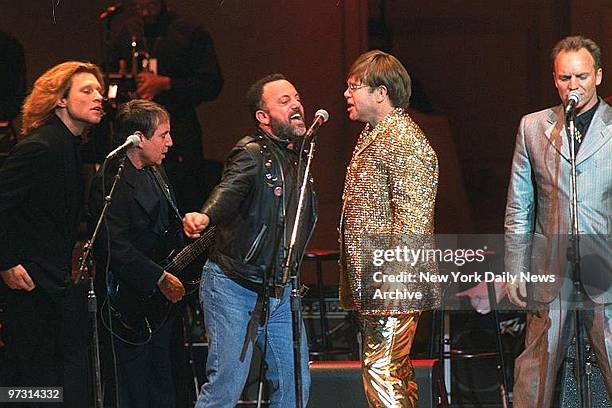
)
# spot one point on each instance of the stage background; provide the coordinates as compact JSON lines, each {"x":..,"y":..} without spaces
{"x":477,"y":67}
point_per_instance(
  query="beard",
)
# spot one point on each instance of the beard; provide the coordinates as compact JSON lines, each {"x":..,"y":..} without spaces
{"x":285,"y":130}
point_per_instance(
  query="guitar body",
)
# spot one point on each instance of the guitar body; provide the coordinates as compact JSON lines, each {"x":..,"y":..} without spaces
{"x":134,"y":319}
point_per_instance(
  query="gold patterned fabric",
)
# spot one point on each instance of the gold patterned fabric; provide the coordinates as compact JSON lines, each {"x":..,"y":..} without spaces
{"x":390,"y":188}
{"x":388,"y":374}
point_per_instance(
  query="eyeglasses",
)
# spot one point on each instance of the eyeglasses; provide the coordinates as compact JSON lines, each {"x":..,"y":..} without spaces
{"x":353,"y":87}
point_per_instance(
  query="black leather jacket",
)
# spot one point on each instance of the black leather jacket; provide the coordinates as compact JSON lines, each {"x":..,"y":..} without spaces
{"x":254,"y":206}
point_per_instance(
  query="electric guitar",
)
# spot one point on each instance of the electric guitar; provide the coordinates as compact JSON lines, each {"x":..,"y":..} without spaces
{"x":134,"y":319}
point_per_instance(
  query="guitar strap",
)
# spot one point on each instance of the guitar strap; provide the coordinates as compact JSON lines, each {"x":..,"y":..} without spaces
{"x":166,"y":190}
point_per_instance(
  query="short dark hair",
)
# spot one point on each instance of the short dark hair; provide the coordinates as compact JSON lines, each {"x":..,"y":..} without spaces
{"x":255,"y":93}
{"x":138,"y":115}
{"x":375,"y":68}
{"x":576,"y":43}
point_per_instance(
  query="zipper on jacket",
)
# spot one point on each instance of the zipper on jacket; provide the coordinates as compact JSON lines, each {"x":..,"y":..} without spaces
{"x":255,"y":244}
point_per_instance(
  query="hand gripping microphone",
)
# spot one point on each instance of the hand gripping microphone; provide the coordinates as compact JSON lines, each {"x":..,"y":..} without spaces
{"x":572,"y":101}
{"x":131,"y":141}
{"x":320,"y":118}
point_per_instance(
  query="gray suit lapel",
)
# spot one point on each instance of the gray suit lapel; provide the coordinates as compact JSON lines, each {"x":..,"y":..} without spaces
{"x":555,"y":133}
{"x":598,"y":133}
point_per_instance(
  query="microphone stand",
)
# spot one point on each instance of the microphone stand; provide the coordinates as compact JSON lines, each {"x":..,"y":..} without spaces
{"x":92,"y":301}
{"x":583,"y":377}
{"x":296,"y":290}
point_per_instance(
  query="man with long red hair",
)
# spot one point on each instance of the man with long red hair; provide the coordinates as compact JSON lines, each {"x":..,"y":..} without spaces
{"x":41,"y":193}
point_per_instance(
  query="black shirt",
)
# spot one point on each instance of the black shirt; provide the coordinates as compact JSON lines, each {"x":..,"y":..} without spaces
{"x":583,"y":121}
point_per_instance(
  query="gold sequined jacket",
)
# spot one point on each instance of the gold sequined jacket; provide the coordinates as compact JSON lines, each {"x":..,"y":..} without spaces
{"x":390,"y":190}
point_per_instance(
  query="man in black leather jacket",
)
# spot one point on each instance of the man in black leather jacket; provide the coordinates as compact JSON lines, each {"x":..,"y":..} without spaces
{"x":254,"y":208}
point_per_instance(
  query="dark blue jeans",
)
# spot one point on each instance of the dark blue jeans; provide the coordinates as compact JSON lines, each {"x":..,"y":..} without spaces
{"x":227,"y":311}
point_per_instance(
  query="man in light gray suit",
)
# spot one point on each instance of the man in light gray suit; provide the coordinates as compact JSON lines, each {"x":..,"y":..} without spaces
{"x":537,"y":224}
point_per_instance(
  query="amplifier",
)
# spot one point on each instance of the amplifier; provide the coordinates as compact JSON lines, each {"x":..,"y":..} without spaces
{"x":338,"y":384}
{"x":340,"y":339}
{"x":311,"y":307}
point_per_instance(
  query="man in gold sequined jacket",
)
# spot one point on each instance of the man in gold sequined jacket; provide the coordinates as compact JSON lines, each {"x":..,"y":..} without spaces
{"x":388,"y":202}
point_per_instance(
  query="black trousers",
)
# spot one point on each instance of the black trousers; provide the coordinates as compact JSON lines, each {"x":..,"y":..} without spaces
{"x":47,"y":341}
{"x":145,"y":371}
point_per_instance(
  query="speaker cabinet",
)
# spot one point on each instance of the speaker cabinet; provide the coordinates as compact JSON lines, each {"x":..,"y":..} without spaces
{"x":338,"y":384}
{"x":339,"y":341}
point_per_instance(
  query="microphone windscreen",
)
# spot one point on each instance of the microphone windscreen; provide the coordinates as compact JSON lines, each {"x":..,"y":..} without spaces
{"x":323,"y":114}
{"x":574,"y":95}
{"x":133,"y":140}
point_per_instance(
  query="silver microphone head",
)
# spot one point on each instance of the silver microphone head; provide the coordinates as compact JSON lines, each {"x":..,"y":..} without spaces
{"x":572,"y":100}
{"x":323,"y":114}
{"x":574,"y":97}
{"x":133,"y":140}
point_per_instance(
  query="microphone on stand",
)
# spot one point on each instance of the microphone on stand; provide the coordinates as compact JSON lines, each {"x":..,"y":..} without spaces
{"x":321,"y":116}
{"x":110,"y":11}
{"x":131,"y":141}
{"x":572,"y":101}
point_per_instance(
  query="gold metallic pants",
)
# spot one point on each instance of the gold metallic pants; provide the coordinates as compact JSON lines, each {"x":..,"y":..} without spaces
{"x":388,"y":375}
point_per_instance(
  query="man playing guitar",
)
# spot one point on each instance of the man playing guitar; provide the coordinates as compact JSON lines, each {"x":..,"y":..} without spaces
{"x":136,"y":230}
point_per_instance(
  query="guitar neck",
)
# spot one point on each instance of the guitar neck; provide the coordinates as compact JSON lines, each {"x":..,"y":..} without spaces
{"x":189,"y":254}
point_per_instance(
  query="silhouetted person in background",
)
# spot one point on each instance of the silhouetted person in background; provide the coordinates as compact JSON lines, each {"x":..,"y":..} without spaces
{"x":181,"y":72}
{"x":12,"y":87}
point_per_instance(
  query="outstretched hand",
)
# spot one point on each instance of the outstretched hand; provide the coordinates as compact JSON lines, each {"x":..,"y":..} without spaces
{"x":194,"y":223}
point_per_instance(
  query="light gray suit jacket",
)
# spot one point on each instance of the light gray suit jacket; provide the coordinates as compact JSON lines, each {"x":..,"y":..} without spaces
{"x":537,"y":221}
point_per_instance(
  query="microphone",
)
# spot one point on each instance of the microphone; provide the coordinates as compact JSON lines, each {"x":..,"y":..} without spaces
{"x":131,"y":141}
{"x":321,"y":116}
{"x":110,"y":11}
{"x":572,"y":101}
